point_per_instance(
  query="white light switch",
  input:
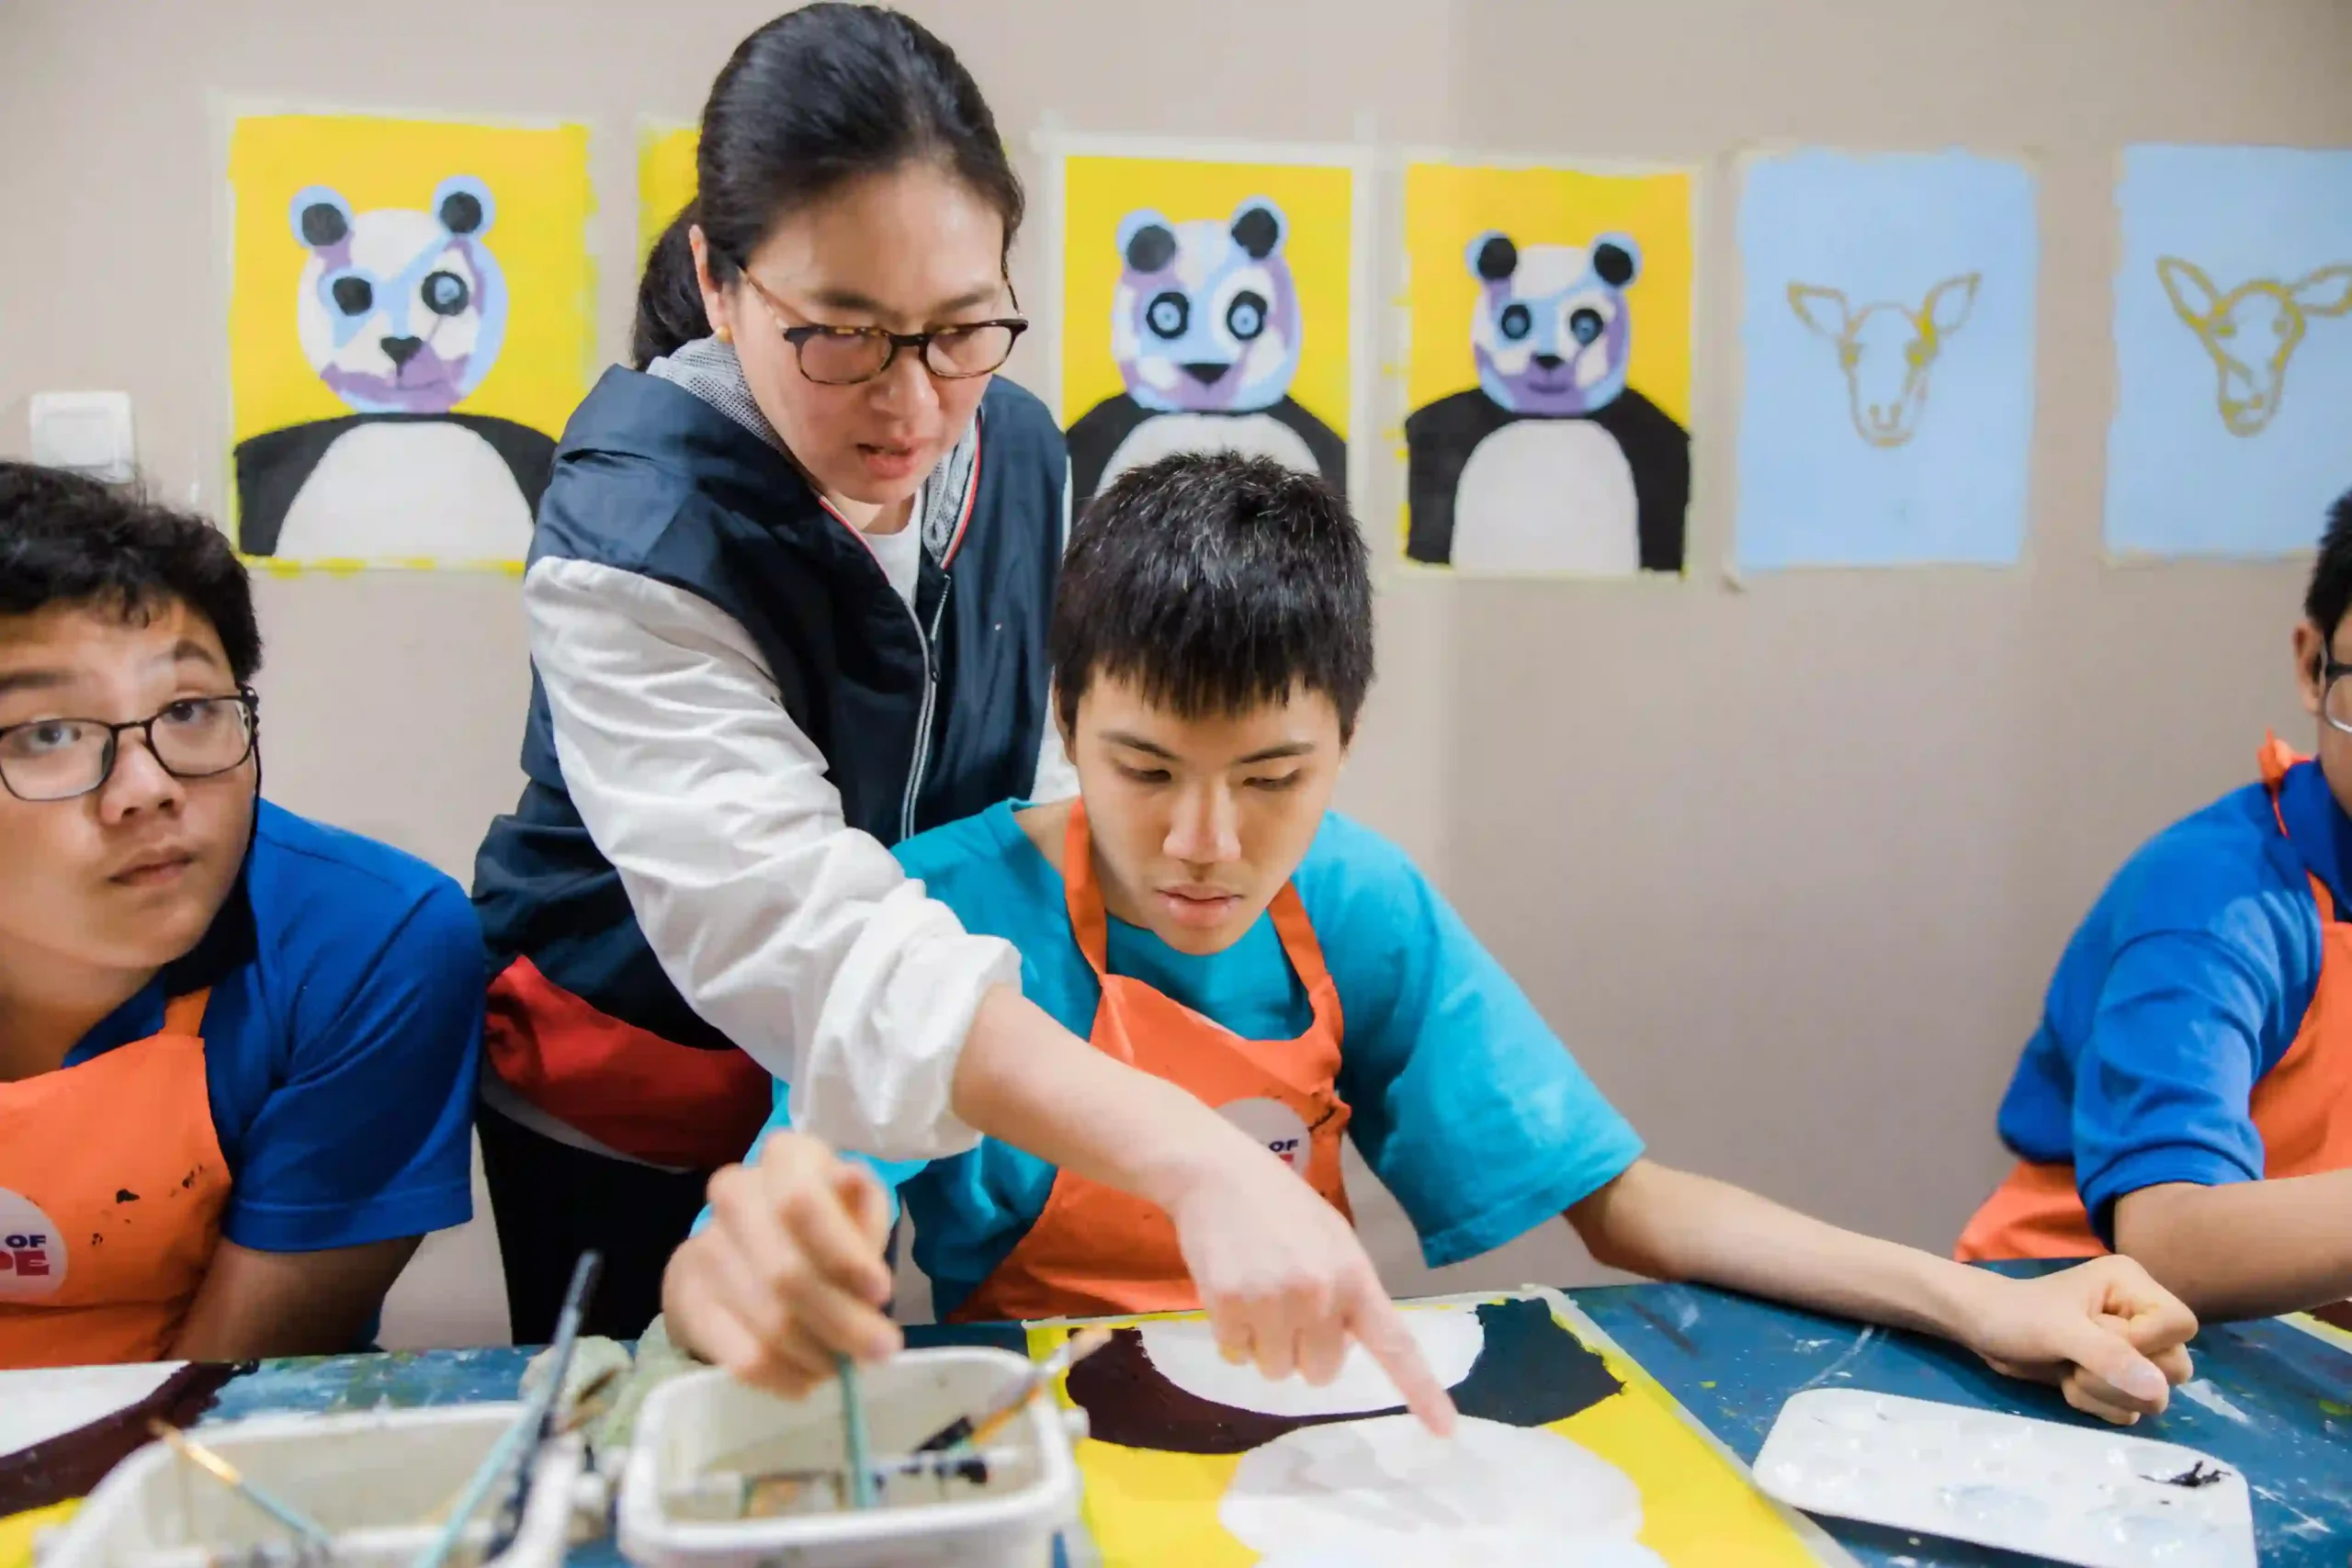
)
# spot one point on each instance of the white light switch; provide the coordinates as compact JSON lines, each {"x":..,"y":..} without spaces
{"x":87,"y":432}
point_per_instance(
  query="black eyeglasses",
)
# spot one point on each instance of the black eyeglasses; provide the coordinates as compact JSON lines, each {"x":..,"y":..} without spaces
{"x":63,"y":759}
{"x":843,"y":357}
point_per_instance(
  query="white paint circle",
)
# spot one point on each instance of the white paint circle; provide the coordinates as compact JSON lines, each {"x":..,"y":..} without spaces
{"x":32,"y":1253}
{"x":1273,"y":1125}
{"x":1386,"y":1491}
{"x":1184,"y":1351}
{"x":1548,"y":495}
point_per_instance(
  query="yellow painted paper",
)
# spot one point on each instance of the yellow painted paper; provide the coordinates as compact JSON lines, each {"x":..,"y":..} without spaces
{"x":528,"y":368}
{"x":1097,"y":195}
{"x":17,"y":1530}
{"x":1446,"y":205}
{"x":1159,"y":1510}
{"x":665,"y":179}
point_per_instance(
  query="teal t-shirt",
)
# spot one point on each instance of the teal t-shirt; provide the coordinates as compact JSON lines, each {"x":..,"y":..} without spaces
{"x":1464,"y":1101}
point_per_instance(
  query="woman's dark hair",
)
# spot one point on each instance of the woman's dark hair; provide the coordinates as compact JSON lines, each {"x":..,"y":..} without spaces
{"x":1215,"y":582}
{"x":70,"y":541}
{"x":818,"y":97}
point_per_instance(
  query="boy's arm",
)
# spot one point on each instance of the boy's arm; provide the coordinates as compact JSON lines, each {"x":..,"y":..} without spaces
{"x":2246,"y":1249}
{"x":2108,"y":1319}
{"x":365,"y":1148}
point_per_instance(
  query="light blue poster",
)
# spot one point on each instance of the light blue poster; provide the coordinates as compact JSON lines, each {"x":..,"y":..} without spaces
{"x":2232,"y":351}
{"x":1887,"y":340}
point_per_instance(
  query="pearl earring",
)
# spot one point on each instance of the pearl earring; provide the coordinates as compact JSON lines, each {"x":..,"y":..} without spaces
{"x":725,"y":335}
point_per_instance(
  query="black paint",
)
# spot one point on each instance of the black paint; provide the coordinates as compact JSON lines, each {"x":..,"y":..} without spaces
{"x":1531,"y":1373}
{"x":72,"y":1464}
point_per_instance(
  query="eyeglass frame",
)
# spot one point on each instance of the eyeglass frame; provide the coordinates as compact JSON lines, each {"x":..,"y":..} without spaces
{"x":243,"y":696}
{"x":920,"y":342}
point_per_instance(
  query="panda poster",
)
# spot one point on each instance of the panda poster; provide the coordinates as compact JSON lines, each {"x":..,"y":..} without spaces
{"x":410,"y":324}
{"x":1550,"y":371}
{"x":2232,"y":351}
{"x":1887,"y":337}
{"x":1209,"y":299}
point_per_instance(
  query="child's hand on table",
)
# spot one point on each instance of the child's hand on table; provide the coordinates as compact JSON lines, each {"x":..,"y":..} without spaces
{"x":2105,"y":1332}
{"x":788,"y":1272}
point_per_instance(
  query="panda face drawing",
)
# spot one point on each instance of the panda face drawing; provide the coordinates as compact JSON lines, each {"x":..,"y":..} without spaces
{"x":1204,"y":319}
{"x":1551,"y":333}
{"x":401,"y":311}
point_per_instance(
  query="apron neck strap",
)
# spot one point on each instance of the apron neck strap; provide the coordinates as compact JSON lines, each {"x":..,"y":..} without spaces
{"x":2276,"y":758}
{"x":185,"y":1015}
{"x":1092,"y":925}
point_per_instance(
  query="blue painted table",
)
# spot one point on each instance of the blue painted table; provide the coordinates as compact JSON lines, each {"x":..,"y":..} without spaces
{"x":2269,"y":1399}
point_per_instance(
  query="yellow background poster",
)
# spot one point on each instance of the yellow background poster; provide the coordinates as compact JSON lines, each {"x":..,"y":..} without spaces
{"x":665,"y":179}
{"x":1558,"y":303}
{"x":1206,"y":300}
{"x":390,"y":276}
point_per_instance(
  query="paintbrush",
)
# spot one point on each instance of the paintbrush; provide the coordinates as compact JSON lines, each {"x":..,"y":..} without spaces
{"x":854,"y":1451}
{"x":220,"y":1470}
{"x":595,"y":1398}
{"x":979,"y":1429}
{"x":523,"y":1438}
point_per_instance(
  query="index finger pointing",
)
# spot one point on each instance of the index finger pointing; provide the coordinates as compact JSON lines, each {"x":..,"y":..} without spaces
{"x":1380,"y":1328}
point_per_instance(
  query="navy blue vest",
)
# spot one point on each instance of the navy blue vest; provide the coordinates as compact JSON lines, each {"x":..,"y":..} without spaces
{"x":923,"y":719}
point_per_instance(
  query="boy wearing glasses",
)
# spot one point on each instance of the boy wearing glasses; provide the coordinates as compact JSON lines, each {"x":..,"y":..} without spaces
{"x":237,"y":1049}
{"x":2187,"y":1098}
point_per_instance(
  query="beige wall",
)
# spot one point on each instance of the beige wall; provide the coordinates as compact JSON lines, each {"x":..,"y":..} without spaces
{"x":1787,"y":865}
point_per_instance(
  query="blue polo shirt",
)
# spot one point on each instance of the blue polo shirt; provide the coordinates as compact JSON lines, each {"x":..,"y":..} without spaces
{"x":341,"y":1043}
{"x":2187,"y":982}
{"x":1465,"y":1103}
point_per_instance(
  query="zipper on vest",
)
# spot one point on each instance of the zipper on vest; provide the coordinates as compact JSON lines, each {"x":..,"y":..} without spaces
{"x":930,"y":640}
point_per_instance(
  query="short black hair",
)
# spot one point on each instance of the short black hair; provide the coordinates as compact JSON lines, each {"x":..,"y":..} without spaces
{"x":1216,"y":582}
{"x":66,"y":539}
{"x":2330,"y":594}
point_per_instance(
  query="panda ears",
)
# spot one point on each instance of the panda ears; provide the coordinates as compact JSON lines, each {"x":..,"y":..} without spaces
{"x":1146,"y":240}
{"x":1492,"y":256}
{"x":1259,"y":227}
{"x":319,"y":217}
{"x":463,"y":206}
{"x":1616,"y":259}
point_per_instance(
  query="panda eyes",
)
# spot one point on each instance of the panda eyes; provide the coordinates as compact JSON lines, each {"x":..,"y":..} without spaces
{"x":1168,"y":315}
{"x":1516,"y":321}
{"x":444,"y":293}
{"x":353,"y":295}
{"x":1584,"y":325}
{"x":1246,"y":317}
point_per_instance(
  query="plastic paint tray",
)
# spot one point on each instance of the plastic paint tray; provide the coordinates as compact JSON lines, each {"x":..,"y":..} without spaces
{"x":2099,"y":1499}
{"x":706,"y":1421}
{"x":375,"y":1479}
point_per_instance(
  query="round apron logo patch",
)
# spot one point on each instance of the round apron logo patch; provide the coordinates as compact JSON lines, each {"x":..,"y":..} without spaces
{"x":32,"y":1255}
{"x":1274,"y":1125}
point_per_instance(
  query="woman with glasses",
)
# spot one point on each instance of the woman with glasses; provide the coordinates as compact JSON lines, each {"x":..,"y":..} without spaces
{"x":2186,"y":1099}
{"x":787,"y":603}
{"x":238,"y":1050}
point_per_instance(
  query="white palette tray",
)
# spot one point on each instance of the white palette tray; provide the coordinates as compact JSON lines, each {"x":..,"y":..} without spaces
{"x":693,"y":1424}
{"x":2097,"y":1499}
{"x":375,"y":1479}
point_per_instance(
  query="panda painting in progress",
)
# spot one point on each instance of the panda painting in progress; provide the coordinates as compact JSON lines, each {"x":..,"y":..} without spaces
{"x":1551,"y":464}
{"x":1206,"y":330}
{"x":401,"y":313}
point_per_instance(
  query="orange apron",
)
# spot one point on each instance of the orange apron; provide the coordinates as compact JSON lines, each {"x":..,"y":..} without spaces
{"x":111,"y":1189}
{"x":2302,"y":1107}
{"x":1096,"y":1251}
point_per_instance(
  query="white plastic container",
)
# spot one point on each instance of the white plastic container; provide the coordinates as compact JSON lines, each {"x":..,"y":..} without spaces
{"x":705,"y":1421}
{"x":375,"y":1479}
{"x":2099,"y":1499}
